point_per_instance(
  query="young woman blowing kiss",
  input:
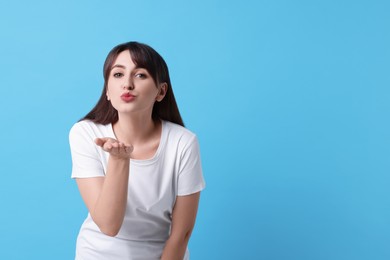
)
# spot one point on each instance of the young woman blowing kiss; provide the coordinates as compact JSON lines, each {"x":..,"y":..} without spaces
{"x":136,"y":166}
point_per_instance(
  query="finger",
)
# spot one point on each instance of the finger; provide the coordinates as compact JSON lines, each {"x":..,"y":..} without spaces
{"x":115,"y":149}
{"x":129,"y":148}
{"x":107,"y":146}
{"x":100,"y":141}
{"x":126,"y":150}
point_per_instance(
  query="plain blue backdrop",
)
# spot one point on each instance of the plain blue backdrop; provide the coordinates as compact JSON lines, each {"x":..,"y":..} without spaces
{"x":289,"y":99}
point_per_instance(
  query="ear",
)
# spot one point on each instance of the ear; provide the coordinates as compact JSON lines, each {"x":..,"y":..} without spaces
{"x":162,"y":91}
{"x":108,"y":96}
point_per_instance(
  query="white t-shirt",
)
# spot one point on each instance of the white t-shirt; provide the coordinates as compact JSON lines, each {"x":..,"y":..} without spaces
{"x":174,"y":170}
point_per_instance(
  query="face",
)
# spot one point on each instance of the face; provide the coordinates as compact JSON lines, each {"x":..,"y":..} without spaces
{"x":131,"y":89}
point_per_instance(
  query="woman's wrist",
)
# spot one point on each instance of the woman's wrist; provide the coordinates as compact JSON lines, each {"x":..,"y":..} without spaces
{"x":119,"y":159}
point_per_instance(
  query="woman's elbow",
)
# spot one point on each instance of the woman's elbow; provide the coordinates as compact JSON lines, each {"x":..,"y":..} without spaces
{"x":110,"y":231}
{"x":187,"y":235}
{"x":110,"y":228}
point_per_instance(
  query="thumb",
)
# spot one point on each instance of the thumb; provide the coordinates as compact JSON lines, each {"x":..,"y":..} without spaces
{"x":101,"y":141}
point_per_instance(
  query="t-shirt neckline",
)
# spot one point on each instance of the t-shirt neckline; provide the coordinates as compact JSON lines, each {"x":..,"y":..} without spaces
{"x":159,"y":148}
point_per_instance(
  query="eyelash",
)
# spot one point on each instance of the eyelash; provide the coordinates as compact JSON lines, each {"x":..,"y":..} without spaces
{"x":140,"y":75}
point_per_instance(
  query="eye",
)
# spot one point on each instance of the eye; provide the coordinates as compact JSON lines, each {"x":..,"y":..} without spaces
{"x":117,"y":75}
{"x":140,"y":75}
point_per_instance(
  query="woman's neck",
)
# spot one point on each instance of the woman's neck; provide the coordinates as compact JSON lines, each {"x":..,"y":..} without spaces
{"x":136,"y":130}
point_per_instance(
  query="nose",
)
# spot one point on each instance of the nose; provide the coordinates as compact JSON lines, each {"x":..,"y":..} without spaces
{"x":128,"y":85}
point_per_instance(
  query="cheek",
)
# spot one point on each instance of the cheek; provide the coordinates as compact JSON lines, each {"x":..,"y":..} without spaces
{"x":153,"y":94}
{"x":111,"y":93}
{"x":111,"y":88}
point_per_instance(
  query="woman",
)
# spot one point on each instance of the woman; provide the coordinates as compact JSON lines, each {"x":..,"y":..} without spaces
{"x":136,"y":166}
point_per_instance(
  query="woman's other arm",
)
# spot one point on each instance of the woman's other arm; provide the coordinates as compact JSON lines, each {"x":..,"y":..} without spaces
{"x":183,"y":221}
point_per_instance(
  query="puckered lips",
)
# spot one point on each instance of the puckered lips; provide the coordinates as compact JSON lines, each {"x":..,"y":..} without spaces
{"x":127,"y":97}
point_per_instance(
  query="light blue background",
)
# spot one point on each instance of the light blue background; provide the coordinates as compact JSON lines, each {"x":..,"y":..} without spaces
{"x":290,"y":100}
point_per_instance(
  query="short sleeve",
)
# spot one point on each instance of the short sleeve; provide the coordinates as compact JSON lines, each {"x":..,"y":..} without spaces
{"x":190,"y":179}
{"x":85,"y":157}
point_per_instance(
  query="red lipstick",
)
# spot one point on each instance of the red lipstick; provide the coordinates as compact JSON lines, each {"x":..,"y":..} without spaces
{"x":127,"y":97}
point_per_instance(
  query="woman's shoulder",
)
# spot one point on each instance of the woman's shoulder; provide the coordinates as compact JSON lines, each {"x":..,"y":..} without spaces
{"x":88,"y":127}
{"x":83,"y":125}
{"x":178,"y":133}
{"x":178,"y":129}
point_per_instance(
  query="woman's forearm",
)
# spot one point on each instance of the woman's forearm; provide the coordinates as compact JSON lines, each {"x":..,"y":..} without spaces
{"x":109,"y":209}
{"x":175,"y":248}
{"x":183,"y":221}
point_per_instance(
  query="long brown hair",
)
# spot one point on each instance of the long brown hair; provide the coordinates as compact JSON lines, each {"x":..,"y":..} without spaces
{"x":145,"y":57}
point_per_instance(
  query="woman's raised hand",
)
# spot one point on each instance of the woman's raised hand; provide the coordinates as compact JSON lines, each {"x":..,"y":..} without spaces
{"x":115,"y":148}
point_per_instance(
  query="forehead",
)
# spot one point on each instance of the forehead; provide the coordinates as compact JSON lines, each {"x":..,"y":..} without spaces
{"x":124,"y":59}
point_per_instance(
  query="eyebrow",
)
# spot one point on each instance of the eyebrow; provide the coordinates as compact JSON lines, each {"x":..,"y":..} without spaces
{"x":124,"y":67}
{"x":118,"y":66}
